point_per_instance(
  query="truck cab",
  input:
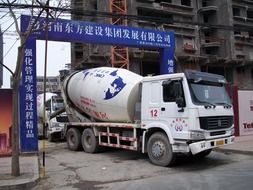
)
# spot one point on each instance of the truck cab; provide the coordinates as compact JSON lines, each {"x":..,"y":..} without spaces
{"x":55,"y":124}
{"x":192,"y":110}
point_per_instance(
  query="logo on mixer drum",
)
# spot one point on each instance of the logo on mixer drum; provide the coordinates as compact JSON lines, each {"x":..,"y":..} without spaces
{"x":116,"y":86}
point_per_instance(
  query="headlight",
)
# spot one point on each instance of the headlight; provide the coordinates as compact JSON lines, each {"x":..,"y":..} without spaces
{"x":54,"y":125}
{"x":197,"y":135}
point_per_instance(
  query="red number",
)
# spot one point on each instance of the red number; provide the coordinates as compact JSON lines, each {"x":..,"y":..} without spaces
{"x":153,"y":113}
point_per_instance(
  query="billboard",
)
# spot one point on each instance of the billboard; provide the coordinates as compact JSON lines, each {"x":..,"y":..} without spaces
{"x":245,"y":105}
{"x":5,"y":121}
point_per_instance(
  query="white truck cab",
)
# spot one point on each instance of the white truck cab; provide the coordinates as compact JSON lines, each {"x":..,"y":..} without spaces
{"x":56,"y":124}
{"x":192,"y":108}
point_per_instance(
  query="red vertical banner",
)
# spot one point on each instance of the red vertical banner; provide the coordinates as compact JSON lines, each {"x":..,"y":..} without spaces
{"x":5,"y":121}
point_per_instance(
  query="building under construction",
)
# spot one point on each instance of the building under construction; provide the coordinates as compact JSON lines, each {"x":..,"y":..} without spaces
{"x":211,"y":35}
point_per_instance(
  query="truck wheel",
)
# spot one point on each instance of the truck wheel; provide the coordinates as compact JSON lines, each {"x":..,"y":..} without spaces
{"x":74,"y":139}
{"x":50,"y":137}
{"x":159,"y":150}
{"x":89,"y":141}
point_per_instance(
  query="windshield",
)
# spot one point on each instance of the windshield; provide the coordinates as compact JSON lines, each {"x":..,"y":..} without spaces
{"x":209,"y":93}
{"x":58,"y":104}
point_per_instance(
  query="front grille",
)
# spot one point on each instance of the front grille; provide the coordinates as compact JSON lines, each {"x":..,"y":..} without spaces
{"x":219,"y":122}
{"x":217,"y":133}
{"x":62,"y":119}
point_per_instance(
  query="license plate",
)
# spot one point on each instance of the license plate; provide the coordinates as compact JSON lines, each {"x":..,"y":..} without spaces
{"x":220,"y":142}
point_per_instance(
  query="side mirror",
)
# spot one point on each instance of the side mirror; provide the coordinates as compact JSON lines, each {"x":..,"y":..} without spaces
{"x":179,"y":96}
{"x":180,"y":102}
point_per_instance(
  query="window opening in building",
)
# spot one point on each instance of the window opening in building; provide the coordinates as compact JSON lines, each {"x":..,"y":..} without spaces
{"x":208,"y":51}
{"x":207,"y":35}
{"x":95,"y":6}
{"x":205,"y":18}
{"x":156,"y":14}
{"x":186,"y":2}
{"x":237,"y":32}
{"x":150,"y":68}
{"x":250,"y":33}
{"x":250,"y":14}
{"x":166,"y":1}
{"x":236,"y":11}
{"x":79,"y":55}
{"x":206,"y":3}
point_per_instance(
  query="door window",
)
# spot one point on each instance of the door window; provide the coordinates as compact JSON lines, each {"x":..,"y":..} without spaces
{"x":172,"y":90}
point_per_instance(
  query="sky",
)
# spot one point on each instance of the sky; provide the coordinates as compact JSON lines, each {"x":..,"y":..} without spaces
{"x":58,"y":52}
{"x":58,"y":56}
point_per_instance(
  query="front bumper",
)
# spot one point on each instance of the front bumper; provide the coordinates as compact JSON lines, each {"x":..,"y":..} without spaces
{"x":56,"y":130}
{"x":209,"y":144}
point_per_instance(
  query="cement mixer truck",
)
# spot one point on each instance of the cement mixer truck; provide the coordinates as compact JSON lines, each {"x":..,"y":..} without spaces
{"x":54,"y":119}
{"x":162,"y":116}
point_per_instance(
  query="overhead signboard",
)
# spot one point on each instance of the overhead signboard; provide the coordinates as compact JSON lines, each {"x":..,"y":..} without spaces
{"x":87,"y":32}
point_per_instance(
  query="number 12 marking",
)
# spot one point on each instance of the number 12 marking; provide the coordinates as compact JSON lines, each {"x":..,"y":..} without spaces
{"x":154,"y":113}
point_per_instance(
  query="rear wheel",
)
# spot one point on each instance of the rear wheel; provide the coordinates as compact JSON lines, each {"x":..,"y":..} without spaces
{"x":159,"y":150}
{"x":74,"y":139}
{"x":89,"y":141}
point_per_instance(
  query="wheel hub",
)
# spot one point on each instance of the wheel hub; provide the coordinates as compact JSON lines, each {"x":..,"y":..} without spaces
{"x":88,"y":140}
{"x":158,"y":149}
{"x":72,"y":139}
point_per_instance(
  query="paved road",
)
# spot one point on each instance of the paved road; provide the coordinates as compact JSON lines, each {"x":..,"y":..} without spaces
{"x":120,"y":169}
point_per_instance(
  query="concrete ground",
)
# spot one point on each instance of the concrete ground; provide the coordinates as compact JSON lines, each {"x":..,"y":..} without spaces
{"x":29,"y":166}
{"x":29,"y":169}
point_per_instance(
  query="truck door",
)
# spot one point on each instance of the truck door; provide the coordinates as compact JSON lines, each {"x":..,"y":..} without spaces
{"x":173,"y":108}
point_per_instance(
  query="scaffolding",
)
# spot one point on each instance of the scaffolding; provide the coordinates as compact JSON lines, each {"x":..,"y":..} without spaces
{"x":119,"y":55}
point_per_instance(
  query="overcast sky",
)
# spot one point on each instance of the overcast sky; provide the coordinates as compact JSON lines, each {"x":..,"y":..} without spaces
{"x":58,"y":52}
{"x":58,"y":56}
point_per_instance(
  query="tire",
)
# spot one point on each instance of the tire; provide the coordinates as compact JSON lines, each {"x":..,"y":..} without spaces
{"x":203,"y":154}
{"x":50,"y":137}
{"x":74,"y":139}
{"x":89,"y":141}
{"x":159,"y":150}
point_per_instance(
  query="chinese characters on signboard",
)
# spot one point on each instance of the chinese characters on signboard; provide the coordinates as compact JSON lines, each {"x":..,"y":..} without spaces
{"x":28,"y":115}
{"x":67,"y":30}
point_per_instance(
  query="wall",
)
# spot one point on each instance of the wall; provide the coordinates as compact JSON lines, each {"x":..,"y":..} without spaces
{"x":245,"y":101}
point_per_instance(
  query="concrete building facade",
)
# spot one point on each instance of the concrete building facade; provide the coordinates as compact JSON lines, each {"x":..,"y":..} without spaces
{"x":215,"y":36}
{"x":52,"y":84}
